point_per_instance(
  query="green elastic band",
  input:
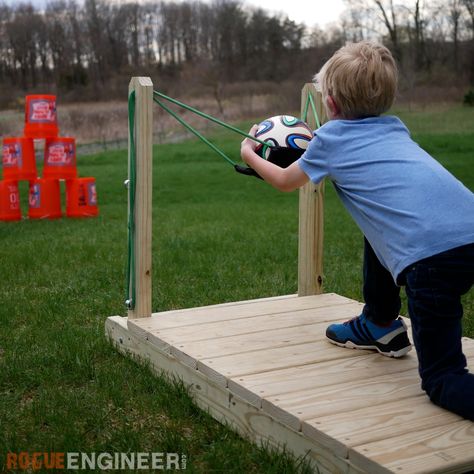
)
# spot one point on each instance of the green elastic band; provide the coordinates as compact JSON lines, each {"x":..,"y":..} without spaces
{"x":310,"y":101}
{"x":130,"y":273}
{"x":195,"y":132}
{"x":208,"y":117}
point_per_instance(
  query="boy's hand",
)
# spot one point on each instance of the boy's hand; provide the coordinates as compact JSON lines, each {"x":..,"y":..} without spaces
{"x":284,"y":179}
{"x":248,"y":144}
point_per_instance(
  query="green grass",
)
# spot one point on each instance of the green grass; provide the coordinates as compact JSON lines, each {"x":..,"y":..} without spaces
{"x":218,"y":236}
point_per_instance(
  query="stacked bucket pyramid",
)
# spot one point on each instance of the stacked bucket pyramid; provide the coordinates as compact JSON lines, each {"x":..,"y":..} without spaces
{"x":19,"y":163}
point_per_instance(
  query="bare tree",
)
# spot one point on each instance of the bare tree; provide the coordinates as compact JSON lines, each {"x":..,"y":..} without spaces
{"x":454,"y":16}
{"x":389,"y":16}
{"x":419,"y":22}
{"x":21,"y":38}
{"x":469,"y":6}
{"x":98,"y":42}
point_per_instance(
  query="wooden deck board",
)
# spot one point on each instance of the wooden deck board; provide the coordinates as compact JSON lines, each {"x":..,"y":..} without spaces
{"x":440,"y":449}
{"x":259,"y":325}
{"x":256,"y":362}
{"x":347,"y":410}
{"x":344,"y":397}
{"x":209,"y":330}
{"x":239,"y":309}
{"x":319,"y":374}
{"x":374,"y":423}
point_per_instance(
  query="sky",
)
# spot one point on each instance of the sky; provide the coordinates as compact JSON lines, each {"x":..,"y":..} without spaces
{"x":310,"y":12}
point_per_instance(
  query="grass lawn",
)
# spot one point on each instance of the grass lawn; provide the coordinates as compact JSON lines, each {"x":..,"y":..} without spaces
{"x":218,"y":236}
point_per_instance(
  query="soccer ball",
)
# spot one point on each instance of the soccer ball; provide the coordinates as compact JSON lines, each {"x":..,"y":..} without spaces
{"x":282,"y":131}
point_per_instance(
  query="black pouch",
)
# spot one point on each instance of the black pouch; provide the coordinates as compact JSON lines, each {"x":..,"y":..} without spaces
{"x":279,"y":155}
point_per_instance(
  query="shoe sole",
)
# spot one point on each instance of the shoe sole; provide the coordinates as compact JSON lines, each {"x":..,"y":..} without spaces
{"x":351,"y":345}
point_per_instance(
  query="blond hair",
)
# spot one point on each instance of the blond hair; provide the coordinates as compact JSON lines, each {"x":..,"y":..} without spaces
{"x":361,"y":78}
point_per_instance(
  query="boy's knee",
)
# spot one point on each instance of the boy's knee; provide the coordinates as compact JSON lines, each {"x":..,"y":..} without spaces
{"x":452,"y":391}
{"x":434,"y":389}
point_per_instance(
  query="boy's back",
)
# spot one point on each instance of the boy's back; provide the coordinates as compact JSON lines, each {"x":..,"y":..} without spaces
{"x":408,"y":206}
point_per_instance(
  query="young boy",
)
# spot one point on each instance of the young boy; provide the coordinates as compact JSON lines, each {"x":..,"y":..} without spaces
{"x":417,"y":219}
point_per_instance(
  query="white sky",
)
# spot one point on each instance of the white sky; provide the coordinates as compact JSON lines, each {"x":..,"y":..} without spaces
{"x":310,"y":12}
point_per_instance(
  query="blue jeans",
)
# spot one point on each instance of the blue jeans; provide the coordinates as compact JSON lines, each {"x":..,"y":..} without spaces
{"x":434,"y":287}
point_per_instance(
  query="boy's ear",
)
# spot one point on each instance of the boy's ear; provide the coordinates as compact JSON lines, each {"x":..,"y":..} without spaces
{"x":332,"y":106}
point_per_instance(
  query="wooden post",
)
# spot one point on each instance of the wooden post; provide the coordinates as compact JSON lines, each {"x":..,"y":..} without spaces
{"x":143,"y":88}
{"x":311,"y":214}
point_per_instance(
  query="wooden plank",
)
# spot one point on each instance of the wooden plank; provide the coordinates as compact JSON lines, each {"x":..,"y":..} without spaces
{"x":143,"y":88}
{"x":322,"y":374}
{"x":170,"y":339}
{"x":263,"y":333}
{"x":333,"y":398}
{"x":292,"y":408}
{"x":311,"y":216}
{"x":265,"y":338}
{"x":230,"y":311}
{"x":222,"y":368}
{"x":224,"y":406}
{"x":316,"y":375}
{"x":234,"y":327}
{"x":442,"y":449}
{"x":373,"y":423}
{"x":182,"y":314}
{"x":392,"y":418}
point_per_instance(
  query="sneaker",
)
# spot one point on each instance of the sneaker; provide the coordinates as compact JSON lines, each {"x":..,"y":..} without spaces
{"x":360,"y":333}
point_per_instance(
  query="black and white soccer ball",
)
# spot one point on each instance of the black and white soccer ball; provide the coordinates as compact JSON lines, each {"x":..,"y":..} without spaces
{"x":282,"y":131}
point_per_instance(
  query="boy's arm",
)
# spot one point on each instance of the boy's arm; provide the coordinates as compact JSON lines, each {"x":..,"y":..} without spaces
{"x":283,"y":179}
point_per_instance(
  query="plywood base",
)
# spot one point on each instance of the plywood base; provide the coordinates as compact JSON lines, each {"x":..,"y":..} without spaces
{"x":265,"y":368}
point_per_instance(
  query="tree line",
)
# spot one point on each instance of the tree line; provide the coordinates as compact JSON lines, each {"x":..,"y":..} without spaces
{"x":90,"y":50}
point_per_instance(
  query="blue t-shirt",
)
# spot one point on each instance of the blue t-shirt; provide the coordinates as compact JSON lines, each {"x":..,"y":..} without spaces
{"x":407,"y":205}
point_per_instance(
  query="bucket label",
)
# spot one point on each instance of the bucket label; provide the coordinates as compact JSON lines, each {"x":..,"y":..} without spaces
{"x":61,"y":154}
{"x":91,"y":194}
{"x":12,"y":155}
{"x":13,"y":197}
{"x":42,"y":111}
{"x":35,"y":196}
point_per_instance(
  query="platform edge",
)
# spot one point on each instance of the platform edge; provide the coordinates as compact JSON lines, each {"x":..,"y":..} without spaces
{"x":226,"y":407}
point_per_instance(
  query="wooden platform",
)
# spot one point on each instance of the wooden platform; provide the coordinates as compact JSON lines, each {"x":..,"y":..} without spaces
{"x":265,"y":368}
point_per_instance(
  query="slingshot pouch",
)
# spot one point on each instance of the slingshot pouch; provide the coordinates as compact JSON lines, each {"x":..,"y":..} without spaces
{"x":279,"y":155}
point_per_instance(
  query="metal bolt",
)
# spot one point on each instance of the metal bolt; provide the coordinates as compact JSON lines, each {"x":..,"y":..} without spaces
{"x":126,"y":183}
{"x":128,"y":304}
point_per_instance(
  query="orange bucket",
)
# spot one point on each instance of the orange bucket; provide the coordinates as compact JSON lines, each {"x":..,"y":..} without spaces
{"x":19,"y":158}
{"x":44,"y":199}
{"x":9,"y":201}
{"x":41,"y":120}
{"x":60,"y":158}
{"x":81,"y":197}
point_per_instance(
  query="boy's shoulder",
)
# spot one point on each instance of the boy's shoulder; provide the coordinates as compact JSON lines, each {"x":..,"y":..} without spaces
{"x":377,"y":125}
{"x":380,"y":120}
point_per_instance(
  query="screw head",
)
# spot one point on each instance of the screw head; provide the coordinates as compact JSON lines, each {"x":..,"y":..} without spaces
{"x":126,"y":183}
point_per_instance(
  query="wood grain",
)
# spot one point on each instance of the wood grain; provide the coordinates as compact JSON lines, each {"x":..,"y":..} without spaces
{"x":143,"y":88}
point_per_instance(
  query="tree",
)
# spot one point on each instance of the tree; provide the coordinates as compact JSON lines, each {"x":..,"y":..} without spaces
{"x":21,"y":38}
{"x":454,"y":17}
{"x":420,"y":55}
{"x":469,"y":6}
{"x":389,"y":16}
